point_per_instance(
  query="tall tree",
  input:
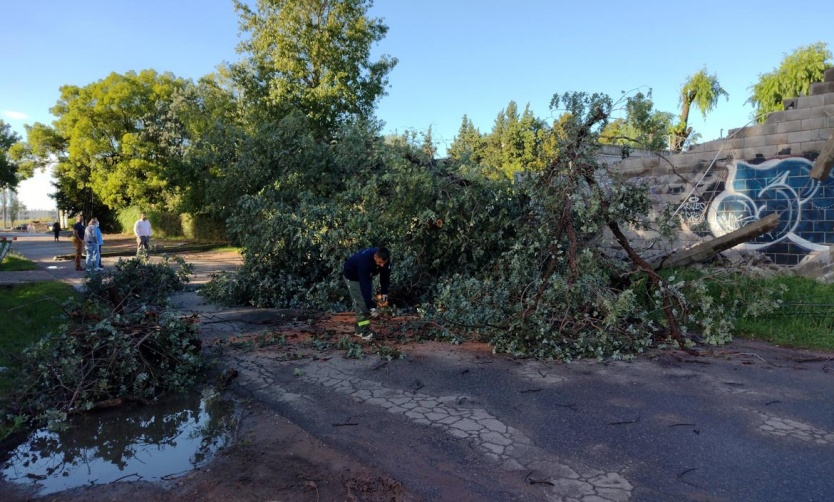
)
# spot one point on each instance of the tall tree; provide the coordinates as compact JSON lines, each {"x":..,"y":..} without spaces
{"x":701,"y":90}
{"x":314,"y":56}
{"x":793,"y":78}
{"x":111,"y":142}
{"x":467,"y":147}
{"x":516,"y":143}
{"x":505,"y":143}
{"x":428,"y":148}
{"x":8,"y":168}
{"x":534,"y":153}
{"x":43,"y":146}
{"x":207,"y":126}
{"x":14,"y":206}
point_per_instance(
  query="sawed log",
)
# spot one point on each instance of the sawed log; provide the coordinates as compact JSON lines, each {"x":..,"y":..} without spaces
{"x":708,"y":249}
{"x":825,"y":160}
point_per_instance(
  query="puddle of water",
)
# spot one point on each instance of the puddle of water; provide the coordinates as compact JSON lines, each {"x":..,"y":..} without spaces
{"x":151,"y":443}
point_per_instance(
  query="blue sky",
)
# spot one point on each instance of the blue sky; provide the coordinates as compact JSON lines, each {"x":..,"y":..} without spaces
{"x":455,"y":57}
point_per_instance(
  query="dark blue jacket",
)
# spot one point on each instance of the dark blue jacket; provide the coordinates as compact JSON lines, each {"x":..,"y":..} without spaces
{"x":78,"y":230}
{"x":361,"y":267}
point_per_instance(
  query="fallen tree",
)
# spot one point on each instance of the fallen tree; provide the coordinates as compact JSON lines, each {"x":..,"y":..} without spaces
{"x":518,"y":265}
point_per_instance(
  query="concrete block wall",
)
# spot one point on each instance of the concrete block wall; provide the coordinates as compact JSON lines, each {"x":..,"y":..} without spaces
{"x":691,"y":179}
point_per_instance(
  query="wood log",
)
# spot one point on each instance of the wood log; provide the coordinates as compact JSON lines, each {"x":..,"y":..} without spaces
{"x":708,"y":249}
{"x":823,"y":164}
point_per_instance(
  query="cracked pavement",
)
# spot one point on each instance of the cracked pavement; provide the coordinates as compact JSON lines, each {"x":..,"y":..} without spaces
{"x":744,"y":422}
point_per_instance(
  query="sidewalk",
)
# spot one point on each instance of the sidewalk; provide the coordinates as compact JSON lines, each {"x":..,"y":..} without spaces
{"x":24,"y":277}
{"x":42,"y":249}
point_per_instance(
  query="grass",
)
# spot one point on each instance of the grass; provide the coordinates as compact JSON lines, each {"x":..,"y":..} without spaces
{"x":27,"y":313}
{"x":805,"y":318}
{"x":227,"y":249}
{"x":14,"y":263}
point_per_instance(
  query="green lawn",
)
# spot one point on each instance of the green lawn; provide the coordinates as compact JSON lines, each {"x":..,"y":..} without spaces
{"x":805,"y":319}
{"x":27,"y":313}
{"x":14,"y":262}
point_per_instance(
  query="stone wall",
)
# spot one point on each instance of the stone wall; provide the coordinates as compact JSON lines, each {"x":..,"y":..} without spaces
{"x":756,"y":170}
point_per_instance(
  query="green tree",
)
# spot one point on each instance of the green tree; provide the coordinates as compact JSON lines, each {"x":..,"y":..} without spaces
{"x":210,"y":118}
{"x":516,"y":143}
{"x":8,"y":169}
{"x":428,"y":148}
{"x":701,"y":90}
{"x":643,"y":127}
{"x":493,"y":159}
{"x":314,"y":56}
{"x":109,"y":142}
{"x":467,"y":147}
{"x":43,"y":146}
{"x":15,"y":207}
{"x":534,"y":153}
{"x":793,"y":78}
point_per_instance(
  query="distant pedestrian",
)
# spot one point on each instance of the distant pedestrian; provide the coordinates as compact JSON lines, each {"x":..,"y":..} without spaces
{"x":56,"y":229}
{"x":142,"y":230}
{"x":78,"y":240}
{"x":91,"y":246}
{"x":100,"y":240}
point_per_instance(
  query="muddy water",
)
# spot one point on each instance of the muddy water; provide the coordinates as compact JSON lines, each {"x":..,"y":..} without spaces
{"x":151,"y":443}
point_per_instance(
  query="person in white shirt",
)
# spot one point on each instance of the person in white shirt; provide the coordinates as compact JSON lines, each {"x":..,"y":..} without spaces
{"x":142,"y":229}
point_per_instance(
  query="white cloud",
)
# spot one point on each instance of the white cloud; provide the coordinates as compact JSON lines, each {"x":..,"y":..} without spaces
{"x":15,"y":115}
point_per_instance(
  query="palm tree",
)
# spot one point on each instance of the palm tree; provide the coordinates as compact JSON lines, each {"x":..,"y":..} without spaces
{"x":703,"y":91}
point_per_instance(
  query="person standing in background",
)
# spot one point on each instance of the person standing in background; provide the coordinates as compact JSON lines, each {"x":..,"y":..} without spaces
{"x":142,"y":230}
{"x":56,"y":229}
{"x":100,"y":241}
{"x":91,"y":245}
{"x":78,"y":240}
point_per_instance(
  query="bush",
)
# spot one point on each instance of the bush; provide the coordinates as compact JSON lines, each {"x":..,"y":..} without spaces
{"x":137,"y":282}
{"x":120,"y":342}
{"x":165,"y":224}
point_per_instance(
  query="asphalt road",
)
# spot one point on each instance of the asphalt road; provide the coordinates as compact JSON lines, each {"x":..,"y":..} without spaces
{"x":744,"y":422}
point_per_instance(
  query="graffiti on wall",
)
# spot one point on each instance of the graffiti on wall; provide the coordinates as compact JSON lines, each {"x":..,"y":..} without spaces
{"x":693,"y":210}
{"x":753,"y":191}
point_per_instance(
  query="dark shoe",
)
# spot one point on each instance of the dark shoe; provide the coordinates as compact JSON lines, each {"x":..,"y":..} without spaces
{"x":79,"y":269}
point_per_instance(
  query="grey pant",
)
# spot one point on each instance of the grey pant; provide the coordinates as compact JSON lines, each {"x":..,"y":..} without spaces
{"x":143,"y":242}
{"x":363,"y":316}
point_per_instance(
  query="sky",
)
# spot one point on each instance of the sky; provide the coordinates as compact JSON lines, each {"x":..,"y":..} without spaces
{"x":456,"y":57}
